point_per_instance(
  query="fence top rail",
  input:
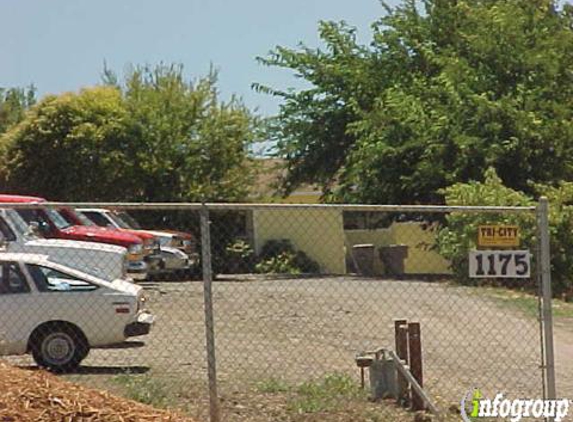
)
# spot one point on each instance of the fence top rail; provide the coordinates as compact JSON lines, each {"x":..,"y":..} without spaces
{"x":270,"y":206}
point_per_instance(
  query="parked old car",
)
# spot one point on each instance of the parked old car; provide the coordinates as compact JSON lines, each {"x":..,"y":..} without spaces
{"x":58,"y":314}
{"x":52,"y":225}
{"x":178,"y":249}
{"x":99,"y":259}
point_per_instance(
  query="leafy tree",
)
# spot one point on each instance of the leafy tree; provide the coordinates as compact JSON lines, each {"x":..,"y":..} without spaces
{"x":191,"y":145}
{"x":13,"y":103}
{"x":445,"y":90}
{"x":71,"y":147}
{"x":155,"y":137}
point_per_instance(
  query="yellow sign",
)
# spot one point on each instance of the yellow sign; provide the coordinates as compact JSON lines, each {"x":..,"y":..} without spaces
{"x":499,"y":235}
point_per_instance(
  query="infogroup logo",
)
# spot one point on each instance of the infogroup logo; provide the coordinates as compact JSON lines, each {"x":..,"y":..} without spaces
{"x":474,"y":406}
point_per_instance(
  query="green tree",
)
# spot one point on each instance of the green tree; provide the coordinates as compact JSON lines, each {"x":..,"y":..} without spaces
{"x":191,"y":145}
{"x":13,"y":104}
{"x":445,"y":90}
{"x":71,"y":147}
{"x":155,"y":137}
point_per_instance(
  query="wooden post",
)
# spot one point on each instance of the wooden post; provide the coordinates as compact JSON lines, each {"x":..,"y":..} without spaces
{"x":415,"y":346}
{"x":401,"y":337}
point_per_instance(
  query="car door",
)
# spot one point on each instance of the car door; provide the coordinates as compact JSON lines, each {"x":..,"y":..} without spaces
{"x":89,"y":307}
{"x":16,"y":302}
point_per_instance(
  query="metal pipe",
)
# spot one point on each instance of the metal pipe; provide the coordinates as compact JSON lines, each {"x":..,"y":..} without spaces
{"x":547,"y":315}
{"x":415,"y":386}
{"x":195,"y":206}
{"x":209,"y":319}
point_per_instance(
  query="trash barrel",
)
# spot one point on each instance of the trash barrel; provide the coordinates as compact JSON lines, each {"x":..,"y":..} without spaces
{"x":363,"y":256}
{"x":393,"y":257}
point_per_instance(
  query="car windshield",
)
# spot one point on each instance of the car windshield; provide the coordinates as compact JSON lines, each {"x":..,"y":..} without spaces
{"x":85,"y":221}
{"x":59,"y":221}
{"x":129,"y":220}
{"x":118,"y":221}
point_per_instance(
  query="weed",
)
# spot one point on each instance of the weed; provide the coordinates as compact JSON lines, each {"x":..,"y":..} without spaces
{"x":144,"y":389}
{"x":272,"y":386}
{"x":526,"y":302}
{"x":328,"y":393}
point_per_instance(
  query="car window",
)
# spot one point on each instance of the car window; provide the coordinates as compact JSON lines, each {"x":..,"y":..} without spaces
{"x":17,"y":223}
{"x":50,"y":280}
{"x":98,"y":218}
{"x":132,"y":222}
{"x":56,"y":218}
{"x":12,"y":280}
{"x":118,"y":221}
{"x":6,"y":232}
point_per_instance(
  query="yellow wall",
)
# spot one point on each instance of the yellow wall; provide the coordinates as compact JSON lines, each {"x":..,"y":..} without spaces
{"x":317,"y":232}
{"x":420,"y":259}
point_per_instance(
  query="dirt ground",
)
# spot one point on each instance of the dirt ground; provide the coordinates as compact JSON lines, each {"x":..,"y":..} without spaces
{"x":296,"y":330}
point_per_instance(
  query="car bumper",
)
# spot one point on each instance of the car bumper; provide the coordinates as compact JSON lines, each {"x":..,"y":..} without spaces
{"x":140,"y":327}
{"x":154,"y":262}
{"x":137,"y":270}
{"x":173,"y":260}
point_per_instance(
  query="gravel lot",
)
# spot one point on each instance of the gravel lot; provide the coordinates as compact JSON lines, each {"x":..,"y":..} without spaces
{"x":298,"y":329}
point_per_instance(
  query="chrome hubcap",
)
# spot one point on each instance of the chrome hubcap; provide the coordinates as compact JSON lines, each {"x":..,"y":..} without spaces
{"x":58,"y":348}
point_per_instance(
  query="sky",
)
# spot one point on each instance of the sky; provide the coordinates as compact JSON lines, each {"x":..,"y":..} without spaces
{"x":61,"y":45}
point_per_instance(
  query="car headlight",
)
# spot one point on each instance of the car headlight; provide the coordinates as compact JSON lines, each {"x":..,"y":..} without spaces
{"x":135,"y":249}
{"x":176,"y":242}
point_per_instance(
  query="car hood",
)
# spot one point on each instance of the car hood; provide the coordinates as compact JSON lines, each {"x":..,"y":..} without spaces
{"x":142,"y":234}
{"x":72,"y":244}
{"x":170,"y":233}
{"x":126,"y":287}
{"x":183,"y":235}
{"x":101,"y":234}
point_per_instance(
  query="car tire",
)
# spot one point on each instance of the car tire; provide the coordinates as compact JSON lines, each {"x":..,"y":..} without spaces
{"x":59,"y":347}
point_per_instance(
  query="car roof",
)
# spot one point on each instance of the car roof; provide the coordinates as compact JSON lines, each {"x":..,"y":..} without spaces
{"x":92,"y":209}
{"x":4,"y":198}
{"x":38,"y":259}
{"x":28,"y":258}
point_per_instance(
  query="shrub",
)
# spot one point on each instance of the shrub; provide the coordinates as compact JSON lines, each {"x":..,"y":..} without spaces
{"x":278,"y":256}
{"x":459,"y":234}
{"x":239,"y":254}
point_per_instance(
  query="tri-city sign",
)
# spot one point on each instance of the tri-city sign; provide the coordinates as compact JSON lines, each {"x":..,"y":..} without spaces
{"x":500,"y":236}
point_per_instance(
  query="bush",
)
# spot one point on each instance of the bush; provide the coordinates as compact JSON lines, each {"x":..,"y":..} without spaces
{"x":280,"y":257}
{"x":240,"y":257}
{"x":459,"y":235}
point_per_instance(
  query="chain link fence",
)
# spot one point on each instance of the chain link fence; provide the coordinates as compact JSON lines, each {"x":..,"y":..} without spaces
{"x":263,"y":311}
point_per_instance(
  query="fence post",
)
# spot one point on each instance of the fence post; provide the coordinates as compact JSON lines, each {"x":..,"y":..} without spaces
{"x":209,"y":319}
{"x":547,"y":313}
{"x":401,"y":339}
{"x":415,"y":347}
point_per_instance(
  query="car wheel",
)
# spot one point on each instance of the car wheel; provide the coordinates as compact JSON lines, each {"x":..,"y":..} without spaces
{"x":59,"y":348}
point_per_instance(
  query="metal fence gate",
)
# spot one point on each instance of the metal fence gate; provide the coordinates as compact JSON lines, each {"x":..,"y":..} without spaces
{"x":292,"y":294}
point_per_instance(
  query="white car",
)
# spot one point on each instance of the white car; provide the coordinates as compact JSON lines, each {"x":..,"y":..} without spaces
{"x":99,"y":259}
{"x":58,"y":314}
{"x":176,"y":248}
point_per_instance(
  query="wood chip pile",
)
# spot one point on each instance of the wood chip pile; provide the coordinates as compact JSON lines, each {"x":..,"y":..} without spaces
{"x":42,"y":397}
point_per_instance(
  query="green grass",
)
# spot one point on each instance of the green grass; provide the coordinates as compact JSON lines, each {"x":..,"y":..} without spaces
{"x":326,"y":394}
{"x":525,"y":302}
{"x":272,"y":386}
{"x":144,"y":389}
